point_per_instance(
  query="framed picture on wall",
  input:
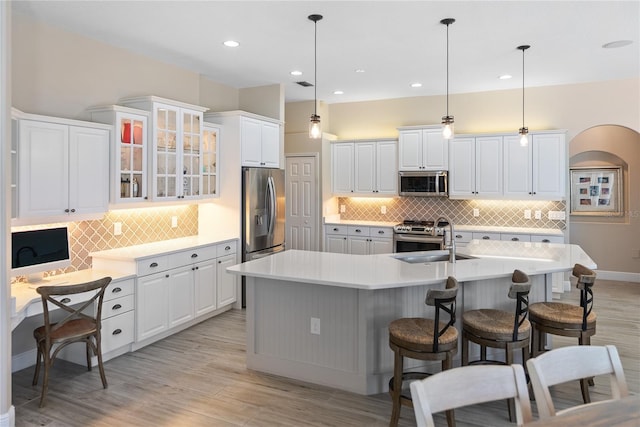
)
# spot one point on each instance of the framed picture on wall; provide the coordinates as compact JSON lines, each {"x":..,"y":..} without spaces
{"x":596,"y":191}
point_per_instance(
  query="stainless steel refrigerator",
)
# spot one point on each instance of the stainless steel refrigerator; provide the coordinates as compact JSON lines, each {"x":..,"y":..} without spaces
{"x":263,"y":208}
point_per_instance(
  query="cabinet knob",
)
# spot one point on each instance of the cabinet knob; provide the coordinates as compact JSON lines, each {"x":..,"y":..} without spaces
{"x":117,"y":332}
{"x":116,"y":290}
{"x":486,"y":237}
{"x":67,"y":210}
{"x":73,"y":210}
{"x":116,"y":307}
{"x":227,"y":248}
{"x":65,"y":300}
{"x":153,"y":265}
{"x":194,"y":255}
{"x":166,"y":276}
{"x":219,"y":262}
{"x":146,"y":198}
{"x":197,"y":268}
{"x":515,"y":239}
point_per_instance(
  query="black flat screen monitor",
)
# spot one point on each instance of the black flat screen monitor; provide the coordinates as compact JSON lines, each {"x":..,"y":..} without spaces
{"x":36,"y":251}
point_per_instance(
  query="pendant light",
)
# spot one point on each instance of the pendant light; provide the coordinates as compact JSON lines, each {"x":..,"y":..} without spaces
{"x":447,"y":121}
{"x":315,"y":130}
{"x":524,"y":137}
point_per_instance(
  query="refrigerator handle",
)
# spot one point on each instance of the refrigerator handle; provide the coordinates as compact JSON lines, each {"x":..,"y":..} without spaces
{"x":272,"y":206}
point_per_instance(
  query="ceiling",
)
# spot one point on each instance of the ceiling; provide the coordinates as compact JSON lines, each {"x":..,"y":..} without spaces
{"x":396,"y":43}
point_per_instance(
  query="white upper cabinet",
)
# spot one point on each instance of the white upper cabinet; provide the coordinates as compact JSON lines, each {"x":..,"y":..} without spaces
{"x":422,"y":149}
{"x":210,"y":158}
{"x":476,"y":168}
{"x":260,"y":142}
{"x":176,"y":147}
{"x":129,"y":148}
{"x":364,"y":168}
{"x":63,"y":169}
{"x":538,"y":170}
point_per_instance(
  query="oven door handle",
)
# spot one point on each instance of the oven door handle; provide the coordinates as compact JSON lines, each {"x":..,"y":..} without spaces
{"x":419,"y":239}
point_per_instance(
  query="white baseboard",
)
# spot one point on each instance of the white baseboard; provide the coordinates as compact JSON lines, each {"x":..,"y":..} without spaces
{"x":23,"y":360}
{"x":8,"y":419}
{"x":618,"y":275}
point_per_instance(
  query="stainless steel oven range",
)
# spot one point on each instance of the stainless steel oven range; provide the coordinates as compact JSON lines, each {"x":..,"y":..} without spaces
{"x":412,"y":235}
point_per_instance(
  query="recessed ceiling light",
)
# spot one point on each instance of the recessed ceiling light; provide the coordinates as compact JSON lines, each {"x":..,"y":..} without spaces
{"x":296,"y":73}
{"x":231,"y":43}
{"x":617,"y":43}
{"x":338,"y":92}
{"x":416,"y":84}
{"x":505,"y":77}
{"x":359,"y":70}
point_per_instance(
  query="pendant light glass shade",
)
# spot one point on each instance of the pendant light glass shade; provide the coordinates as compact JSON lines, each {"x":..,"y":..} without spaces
{"x":523,"y":131}
{"x":447,"y":121}
{"x":315,"y":128}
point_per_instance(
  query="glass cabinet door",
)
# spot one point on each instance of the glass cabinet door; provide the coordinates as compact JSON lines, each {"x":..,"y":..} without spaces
{"x":166,"y":149}
{"x":191,"y":154}
{"x":210,"y":136}
{"x":132,"y":143}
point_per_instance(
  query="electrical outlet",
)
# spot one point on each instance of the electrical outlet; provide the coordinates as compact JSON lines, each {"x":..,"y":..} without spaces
{"x":537,"y":214}
{"x":527,"y":214}
{"x":558,"y":215}
{"x":476,"y":212}
{"x":174,"y":221}
{"x":117,"y":228}
{"x":383,"y":210}
{"x":343,"y":208}
{"x":315,"y":326}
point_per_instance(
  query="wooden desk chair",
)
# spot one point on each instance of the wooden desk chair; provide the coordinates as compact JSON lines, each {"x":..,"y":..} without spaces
{"x":469,"y":385}
{"x":423,"y":339}
{"x":566,"y":320}
{"x":75,"y":327}
{"x":571,"y":363}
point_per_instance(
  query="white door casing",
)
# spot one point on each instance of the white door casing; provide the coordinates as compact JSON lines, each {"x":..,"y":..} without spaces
{"x":302,"y":198}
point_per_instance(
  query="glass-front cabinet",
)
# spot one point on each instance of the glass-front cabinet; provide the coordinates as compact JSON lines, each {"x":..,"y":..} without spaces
{"x":210,"y":141}
{"x":176,"y":147}
{"x":129,"y":147}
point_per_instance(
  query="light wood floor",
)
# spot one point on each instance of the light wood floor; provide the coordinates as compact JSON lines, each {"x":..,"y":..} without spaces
{"x":198,"y":378}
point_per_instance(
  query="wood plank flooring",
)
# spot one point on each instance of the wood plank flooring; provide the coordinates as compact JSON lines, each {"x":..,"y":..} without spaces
{"x":198,"y":378}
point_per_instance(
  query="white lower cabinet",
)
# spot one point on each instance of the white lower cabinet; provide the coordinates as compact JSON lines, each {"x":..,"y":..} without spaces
{"x":205,"y":293}
{"x":181,"y":291}
{"x":358,"y":240}
{"x":152,"y":294}
{"x":226,"y":289}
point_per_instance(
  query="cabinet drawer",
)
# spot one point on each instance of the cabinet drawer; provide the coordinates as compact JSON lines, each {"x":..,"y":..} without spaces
{"x":191,"y":256}
{"x":516,"y":237}
{"x":381,"y":232}
{"x":486,"y":236}
{"x":119,"y":289}
{"x":462,"y":236}
{"x":542,"y":238}
{"x":153,"y":265}
{"x":117,"y":306}
{"x":227,"y":248}
{"x":117,"y":331}
{"x":74,"y":299}
{"x":341,"y":230}
{"x":356,"y":230}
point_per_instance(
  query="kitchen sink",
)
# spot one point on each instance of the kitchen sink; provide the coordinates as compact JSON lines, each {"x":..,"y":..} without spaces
{"x":429,"y":256}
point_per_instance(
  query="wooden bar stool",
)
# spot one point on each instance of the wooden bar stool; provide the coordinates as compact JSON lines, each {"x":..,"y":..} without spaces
{"x":567,"y":320}
{"x":500,"y":329}
{"x":423,"y":339}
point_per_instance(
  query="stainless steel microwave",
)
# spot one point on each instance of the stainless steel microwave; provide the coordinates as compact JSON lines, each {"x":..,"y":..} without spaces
{"x":423,"y":184}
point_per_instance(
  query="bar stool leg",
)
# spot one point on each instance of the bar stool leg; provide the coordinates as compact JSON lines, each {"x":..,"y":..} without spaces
{"x":397,"y":388}
{"x":448,"y":364}
{"x":465,"y":349}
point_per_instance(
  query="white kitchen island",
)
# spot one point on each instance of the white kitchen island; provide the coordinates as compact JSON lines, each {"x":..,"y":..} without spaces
{"x":350,"y":300}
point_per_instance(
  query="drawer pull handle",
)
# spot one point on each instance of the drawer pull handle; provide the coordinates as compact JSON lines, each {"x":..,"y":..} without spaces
{"x":194,"y":255}
{"x":117,"y":332}
{"x":116,"y":307}
{"x":358,"y":230}
{"x":227,"y":248}
{"x":380,"y":232}
{"x":458,"y":236}
{"x":65,"y":300}
{"x":335,"y":228}
{"x":546,"y":240}
{"x":486,"y":237}
{"x":515,"y":239}
{"x":153,"y":264}
{"x":116,"y":290}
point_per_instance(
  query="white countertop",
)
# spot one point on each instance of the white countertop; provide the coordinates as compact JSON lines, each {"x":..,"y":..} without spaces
{"x":456,"y":227}
{"x":495,"y":259}
{"x":155,"y":248}
{"x":24,"y":294}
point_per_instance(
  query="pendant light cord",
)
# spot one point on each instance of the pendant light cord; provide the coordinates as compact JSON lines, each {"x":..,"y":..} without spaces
{"x":447,"y":69}
{"x":523,"y":87}
{"x":315,"y":68}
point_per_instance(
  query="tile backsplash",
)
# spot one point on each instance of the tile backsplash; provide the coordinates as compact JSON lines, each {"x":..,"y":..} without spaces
{"x":139,"y":226}
{"x":501,"y":213}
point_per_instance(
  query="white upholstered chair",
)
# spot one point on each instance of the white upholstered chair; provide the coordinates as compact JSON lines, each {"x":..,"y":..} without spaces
{"x":469,"y":385}
{"x":566,"y":364}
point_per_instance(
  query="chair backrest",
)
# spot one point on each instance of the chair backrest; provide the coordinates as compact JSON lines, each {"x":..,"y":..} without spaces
{"x":519,"y":290}
{"x":48,"y":293}
{"x":468,"y":385}
{"x":445,"y":300}
{"x":573,"y":363}
{"x":586,"y":278}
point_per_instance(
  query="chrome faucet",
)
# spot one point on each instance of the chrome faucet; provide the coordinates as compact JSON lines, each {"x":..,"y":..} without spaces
{"x":452,"y":241}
